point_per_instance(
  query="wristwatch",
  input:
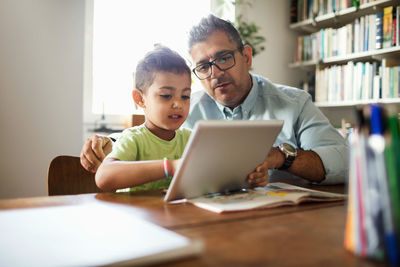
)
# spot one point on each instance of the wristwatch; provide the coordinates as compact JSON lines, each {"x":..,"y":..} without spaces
{"x":290,"y":154}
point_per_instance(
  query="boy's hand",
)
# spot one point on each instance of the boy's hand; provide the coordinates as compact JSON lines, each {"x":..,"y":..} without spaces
{"x":94,"y":151}
{"x":259,"y":177}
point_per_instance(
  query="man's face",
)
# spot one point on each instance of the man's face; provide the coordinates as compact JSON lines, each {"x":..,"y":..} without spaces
{"x":229,"y":87}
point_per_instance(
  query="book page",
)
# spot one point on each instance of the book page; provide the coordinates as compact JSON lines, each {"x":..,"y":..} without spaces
{"x":282,"y":187}
{"x":272,"y":195}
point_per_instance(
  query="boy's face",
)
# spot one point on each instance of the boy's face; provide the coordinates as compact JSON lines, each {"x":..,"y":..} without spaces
{"x":229,"y":87}
{"x":166,"y":102}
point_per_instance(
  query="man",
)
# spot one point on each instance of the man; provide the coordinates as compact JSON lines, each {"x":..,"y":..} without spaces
{"x":308,"y":146}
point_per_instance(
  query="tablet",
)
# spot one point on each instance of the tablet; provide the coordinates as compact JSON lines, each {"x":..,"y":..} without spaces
{"x":220,"y":154}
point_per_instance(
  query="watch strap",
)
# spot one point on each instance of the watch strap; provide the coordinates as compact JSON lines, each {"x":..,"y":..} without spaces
{"x":288,"y":162}
{"x":289,"y":157}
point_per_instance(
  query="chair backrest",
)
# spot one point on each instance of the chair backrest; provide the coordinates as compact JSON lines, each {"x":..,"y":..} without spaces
{"x":66,"y":176}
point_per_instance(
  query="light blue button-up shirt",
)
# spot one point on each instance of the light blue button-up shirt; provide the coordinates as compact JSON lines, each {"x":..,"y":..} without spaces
{"x":305,"y":126}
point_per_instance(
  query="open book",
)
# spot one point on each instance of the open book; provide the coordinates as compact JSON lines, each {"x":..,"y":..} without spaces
{"x":273,"y":195}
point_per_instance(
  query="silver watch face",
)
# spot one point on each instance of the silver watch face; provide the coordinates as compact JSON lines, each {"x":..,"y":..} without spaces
{"x":289,"y":149}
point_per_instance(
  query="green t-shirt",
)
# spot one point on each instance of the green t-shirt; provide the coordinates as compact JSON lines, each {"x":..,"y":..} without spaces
{"x":138,"y":143}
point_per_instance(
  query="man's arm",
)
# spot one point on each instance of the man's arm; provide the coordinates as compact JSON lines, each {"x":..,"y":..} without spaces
{"x":94,"y":151}
{"x":322,"y":144}
{"x":315,"y":133}
{"x":307,"y":165}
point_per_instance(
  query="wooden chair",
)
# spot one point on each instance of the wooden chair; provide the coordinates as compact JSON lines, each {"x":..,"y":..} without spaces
{"x":66,"y":176}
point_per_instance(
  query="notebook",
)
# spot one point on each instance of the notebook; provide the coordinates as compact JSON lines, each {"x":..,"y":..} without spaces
{"x":220,"y":154}
{"x":87,"y":235}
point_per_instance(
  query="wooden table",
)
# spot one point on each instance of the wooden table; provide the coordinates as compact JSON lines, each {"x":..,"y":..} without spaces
{"x":310,"y":234}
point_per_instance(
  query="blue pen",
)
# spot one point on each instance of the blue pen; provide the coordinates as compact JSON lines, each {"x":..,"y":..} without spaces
{"x":212,"y":195}
{"x":377,"y":143}
{"x":227,"y":192}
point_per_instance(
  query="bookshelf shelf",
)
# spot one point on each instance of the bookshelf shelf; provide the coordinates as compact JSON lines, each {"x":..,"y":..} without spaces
{"x":340,"y":17}
{"x":356,"y":103}
{"x":308,"y":65}
{"x":366,"y":55}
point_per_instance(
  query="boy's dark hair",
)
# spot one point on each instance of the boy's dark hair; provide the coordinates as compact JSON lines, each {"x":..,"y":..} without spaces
{"x":209,"y":24}
{"x":160,"y":59}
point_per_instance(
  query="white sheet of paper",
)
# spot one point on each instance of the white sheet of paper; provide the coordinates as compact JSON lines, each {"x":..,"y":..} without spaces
{"x":91,"y":234}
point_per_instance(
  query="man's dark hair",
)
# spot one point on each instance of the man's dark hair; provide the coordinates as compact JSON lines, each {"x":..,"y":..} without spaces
{"x":209,"y":24}
{"x":160,"y":59}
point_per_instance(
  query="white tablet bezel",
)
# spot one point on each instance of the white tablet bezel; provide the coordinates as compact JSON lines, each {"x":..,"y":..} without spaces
{"x":220,"y":154}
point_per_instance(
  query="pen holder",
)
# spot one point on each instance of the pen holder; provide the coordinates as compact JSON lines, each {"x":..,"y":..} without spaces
{"x":373,"y":214}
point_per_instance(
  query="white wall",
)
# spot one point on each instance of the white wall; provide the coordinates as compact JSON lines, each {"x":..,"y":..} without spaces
{"x":41,"y":81}
{"x":273,"y":18}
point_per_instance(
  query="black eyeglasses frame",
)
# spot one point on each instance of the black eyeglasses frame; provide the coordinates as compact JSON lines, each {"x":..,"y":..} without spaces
{"x":211,"y":63}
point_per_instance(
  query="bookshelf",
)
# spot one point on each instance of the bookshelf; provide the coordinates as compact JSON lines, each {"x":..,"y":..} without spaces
{"x":341,"y":16}
{"x":338,"y":45}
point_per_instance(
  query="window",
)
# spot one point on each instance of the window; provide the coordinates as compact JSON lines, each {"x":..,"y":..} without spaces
{"x":118,"y":33}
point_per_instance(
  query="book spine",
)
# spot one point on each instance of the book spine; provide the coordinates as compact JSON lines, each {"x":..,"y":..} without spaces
{"x":397,"y":25}
{"x":357,"y":35}
{"x":387,"y":26}
{"x":310,"y":8}
{"x":379,"y":30}
{"x":299,"y":10}
{"x":391,"y":82}
{"x":384,"y":80}
{"x":394,"y":26}
{"x":398,"y":85}
{"x":293,"y":11}
{"x":366,"y":33}
{"x":395,"y":81}
{"x":376,"y":86}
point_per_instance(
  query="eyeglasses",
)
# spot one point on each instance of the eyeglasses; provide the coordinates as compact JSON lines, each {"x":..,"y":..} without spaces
{"x":224,"y":62}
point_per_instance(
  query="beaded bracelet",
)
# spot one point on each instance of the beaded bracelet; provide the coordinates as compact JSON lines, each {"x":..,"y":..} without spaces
{"x":166,"y":167}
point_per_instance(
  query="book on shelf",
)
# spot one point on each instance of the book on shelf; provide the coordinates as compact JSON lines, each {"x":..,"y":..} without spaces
{"x":394,"y":26}
{"x":293,"y":11}
{"x":271,"y":196}
{"x":387,"y":26}
{"x":397,"y":25}
{"x":379,"y":30}
{"x":385,"y":79}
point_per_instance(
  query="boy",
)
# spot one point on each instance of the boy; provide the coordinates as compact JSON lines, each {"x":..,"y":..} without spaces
{"x":144,"y":157}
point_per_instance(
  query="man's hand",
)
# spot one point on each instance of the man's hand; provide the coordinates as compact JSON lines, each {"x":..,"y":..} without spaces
{"x":259,"y":177}
{"x":307,"y":165}
{"x":94,"y":151}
